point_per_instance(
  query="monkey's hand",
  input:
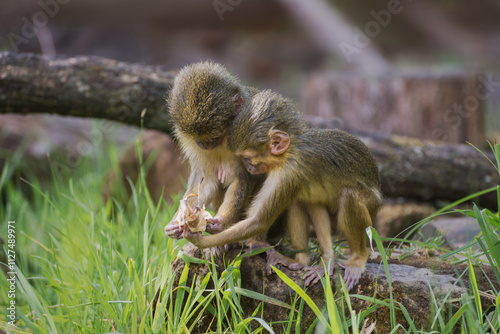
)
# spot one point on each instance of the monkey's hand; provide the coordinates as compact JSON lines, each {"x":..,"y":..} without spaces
{"x":352,"y":275}
{"x":314,"y":273}
{"x":215,"y":225}
{"x":193,"y":237}
{"x":216,"y":251}
{"x":173,"y":230}
{"x":197,"y":239}
{"x":276,"y":259}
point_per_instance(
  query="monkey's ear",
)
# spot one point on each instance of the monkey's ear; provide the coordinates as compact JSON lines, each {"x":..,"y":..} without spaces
{"x":238,"y":102}
{"x":280,"y":141}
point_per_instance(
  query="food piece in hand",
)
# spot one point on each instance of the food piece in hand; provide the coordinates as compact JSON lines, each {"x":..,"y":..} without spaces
{"x":192,"y":215}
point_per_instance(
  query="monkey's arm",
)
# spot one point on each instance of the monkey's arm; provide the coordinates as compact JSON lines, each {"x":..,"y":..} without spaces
{"x":233,"y":204}
{"x":274,"y":197}
{"x":243,"y":230}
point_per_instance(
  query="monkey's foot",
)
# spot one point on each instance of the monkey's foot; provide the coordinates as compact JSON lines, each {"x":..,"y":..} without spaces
{"x":216,"y":251}
{"x":314,"y":273}
{"x":173,"y":230}
{"x":221,"y":175}
{"x":277,"y":260}
{"x":352,"y":275}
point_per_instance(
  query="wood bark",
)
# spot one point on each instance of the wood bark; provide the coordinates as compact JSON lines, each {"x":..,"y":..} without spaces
{"x":103,"y":88}
{"x":85,"y":87}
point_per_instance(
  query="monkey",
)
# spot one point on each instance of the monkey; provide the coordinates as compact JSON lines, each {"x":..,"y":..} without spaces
{"x":203,"y":102}
{"x":327,"y":176}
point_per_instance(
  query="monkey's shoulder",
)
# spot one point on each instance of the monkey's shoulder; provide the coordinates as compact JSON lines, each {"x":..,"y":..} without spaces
{"x":332,"y":143}
{"x":330,"y":155}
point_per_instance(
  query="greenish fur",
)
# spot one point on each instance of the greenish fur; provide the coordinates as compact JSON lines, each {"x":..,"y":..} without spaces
{"x":203,"y":102}
{"x":207,"y":88}
{"x":270,"y":111}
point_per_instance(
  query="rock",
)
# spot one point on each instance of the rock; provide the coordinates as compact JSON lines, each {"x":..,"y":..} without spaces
{"x":457,"y":231}
{"x":411,"y":280}
{"x":26,"y":142}
{"x":394,"y":218}
{"x":162,"y":162}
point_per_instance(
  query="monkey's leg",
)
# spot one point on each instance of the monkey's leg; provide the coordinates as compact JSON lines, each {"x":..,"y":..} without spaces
{"x":353,"y":219}
{"x":321,"y":222}
{"x":298,"y":228}
{"x":273,"y":257}
{"x":229,"y":206}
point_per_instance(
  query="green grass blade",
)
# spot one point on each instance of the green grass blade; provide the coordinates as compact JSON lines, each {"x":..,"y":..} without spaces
{"x":35,"y":302}
{"x":256,"y":251}
{"x":490,"y":237}
{"x":381,"y":249}
{"x":190,"y":259}
{"x":331,"y":306}
{"x":263,"y":323}
{"x":262,"y":297}
{"x":304,"y":296}
{"x":475,"y":289}
{"x":454,"y":319}
{"x":497,"y":167}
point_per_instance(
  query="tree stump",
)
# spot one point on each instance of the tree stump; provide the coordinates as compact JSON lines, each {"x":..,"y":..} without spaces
{"x":444,"y":105}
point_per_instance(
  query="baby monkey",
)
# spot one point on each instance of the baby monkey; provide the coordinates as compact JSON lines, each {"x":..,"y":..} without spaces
{"x":203,"y":103}
{"x":204,"y":100}
{"x":326,"y":177}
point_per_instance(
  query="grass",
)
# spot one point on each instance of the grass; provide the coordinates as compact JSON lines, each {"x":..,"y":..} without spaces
{"x":83,"y":267}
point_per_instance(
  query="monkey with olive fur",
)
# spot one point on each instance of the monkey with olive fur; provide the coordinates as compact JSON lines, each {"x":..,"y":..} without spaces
{"x":204,"y":101}
{"x":326,"y":177}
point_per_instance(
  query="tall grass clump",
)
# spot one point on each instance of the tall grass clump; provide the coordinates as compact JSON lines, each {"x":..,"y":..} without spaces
{"x":83,"y":266}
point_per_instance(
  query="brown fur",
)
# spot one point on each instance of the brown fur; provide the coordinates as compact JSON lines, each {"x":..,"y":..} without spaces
{"x":328,"y":175}
{"x":203,"y":102}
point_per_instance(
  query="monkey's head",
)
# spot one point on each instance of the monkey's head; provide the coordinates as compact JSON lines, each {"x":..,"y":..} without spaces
{"x":264,"y":131}
{"x":203,"y":102}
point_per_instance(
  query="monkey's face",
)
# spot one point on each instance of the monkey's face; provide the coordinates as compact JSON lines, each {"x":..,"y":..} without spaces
{"x":270,"y":156}
{"x":256,"y":163}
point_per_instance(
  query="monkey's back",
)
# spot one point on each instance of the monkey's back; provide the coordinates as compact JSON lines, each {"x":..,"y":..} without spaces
{"x":335,"y":156}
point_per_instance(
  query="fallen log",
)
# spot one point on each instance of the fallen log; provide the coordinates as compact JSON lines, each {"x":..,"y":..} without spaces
{"x":85,"y":86}
{"x":103,"y":88}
